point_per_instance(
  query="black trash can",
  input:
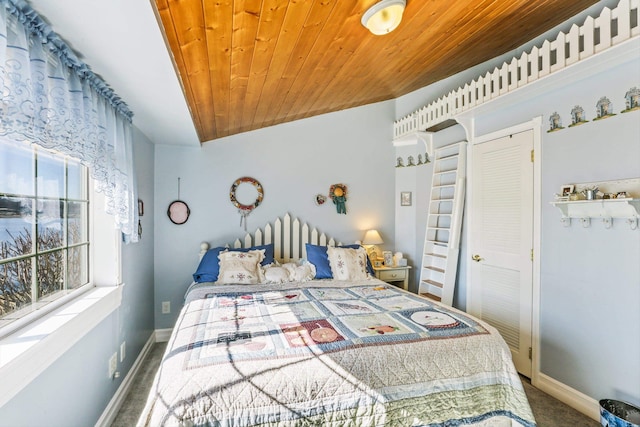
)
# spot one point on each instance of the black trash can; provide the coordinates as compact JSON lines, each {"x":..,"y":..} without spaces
{"x":614,"y":413}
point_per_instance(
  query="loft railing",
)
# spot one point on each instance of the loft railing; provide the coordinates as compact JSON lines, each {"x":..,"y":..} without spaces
{"x":612,"y":27}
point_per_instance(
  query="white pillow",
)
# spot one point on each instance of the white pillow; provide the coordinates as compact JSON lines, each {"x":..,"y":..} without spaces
{"x":241,"y":267}
{"x":276,"y":274}
{"x":304,"y":272}
{"x":289,"y":272}
{"x":348,"y":263}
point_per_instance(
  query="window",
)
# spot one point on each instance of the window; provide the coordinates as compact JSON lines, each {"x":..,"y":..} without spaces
{"x":44,"y":228}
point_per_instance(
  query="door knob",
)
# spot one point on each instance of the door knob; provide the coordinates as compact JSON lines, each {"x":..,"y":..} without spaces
{"x":477,"y":258}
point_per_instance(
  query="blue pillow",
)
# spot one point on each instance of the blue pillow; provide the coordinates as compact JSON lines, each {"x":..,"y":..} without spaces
{"x":317,"y":255}
{"x":209,"y":266}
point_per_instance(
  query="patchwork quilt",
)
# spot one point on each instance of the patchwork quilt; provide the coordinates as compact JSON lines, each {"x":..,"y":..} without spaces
{"x":331,"y":353}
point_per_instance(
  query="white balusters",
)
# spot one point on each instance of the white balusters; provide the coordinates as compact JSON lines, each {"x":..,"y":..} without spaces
{"x":552,"y":56}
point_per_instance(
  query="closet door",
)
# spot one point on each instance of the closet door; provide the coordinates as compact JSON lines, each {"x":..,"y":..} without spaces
{"x":501,"y":243}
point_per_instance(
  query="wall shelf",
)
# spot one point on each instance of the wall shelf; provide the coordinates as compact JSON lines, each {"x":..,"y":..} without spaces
{"x":605,"y":209}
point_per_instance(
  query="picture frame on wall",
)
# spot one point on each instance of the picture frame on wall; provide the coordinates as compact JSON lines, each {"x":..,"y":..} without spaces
{"x":405,"y":198}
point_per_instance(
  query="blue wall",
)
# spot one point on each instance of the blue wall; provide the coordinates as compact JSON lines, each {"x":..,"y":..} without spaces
{"x":589,"y":277}
{"x":293,"y":162}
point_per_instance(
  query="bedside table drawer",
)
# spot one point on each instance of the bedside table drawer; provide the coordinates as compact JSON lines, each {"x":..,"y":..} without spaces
{"x":392,"y":275}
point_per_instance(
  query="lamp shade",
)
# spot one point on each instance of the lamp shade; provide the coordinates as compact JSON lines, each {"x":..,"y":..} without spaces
{"x":372,"y":237}
{"x":384,"y":16}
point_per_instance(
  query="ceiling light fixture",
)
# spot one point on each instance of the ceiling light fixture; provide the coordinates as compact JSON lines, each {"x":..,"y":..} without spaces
{"x":384,"y":16}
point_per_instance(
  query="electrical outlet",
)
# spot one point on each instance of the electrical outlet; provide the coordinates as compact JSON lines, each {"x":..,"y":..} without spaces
{"x":123,"y":348}
{"x":166,"y":307}
{"x":113,"y":365}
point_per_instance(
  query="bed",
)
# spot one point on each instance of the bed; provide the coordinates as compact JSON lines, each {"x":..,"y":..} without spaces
{"x":303,"y":350}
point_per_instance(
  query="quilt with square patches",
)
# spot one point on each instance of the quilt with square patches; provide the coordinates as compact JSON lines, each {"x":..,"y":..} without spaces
{"x":332,"y":353}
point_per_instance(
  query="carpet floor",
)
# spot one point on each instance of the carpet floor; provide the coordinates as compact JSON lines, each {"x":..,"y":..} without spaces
{"x":549,"y":412}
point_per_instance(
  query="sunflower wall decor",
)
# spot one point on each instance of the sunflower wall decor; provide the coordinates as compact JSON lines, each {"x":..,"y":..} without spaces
{"x":338,"y":194}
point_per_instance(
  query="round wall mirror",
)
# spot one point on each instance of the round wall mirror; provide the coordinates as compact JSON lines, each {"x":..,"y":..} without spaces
{"x":178,"y":212}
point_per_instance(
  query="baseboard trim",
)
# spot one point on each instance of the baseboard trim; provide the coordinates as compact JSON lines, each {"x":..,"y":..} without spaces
{"x":577,"y":400}
{"x":111,"y":411}
{"x":162,"y":335}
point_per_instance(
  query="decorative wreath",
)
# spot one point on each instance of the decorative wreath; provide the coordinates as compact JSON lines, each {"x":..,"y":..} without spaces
{"x":338,"y":190}
{"x":256,"y":184}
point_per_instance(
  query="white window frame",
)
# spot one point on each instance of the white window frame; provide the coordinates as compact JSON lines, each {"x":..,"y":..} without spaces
{"x":31,"y":344}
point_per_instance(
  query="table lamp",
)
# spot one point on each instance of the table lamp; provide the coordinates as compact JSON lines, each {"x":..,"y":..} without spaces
{"x":371,"y":239}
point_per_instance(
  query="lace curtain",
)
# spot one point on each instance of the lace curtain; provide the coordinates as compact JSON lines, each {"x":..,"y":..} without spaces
{"x":51,"y":98}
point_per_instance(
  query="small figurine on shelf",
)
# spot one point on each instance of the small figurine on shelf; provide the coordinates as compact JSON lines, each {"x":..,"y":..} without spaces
{"x":604,"y":108}
{"x":590,"y":193}
{"x":632,"y":99}
{"x":555,"y":122}
{"x":577,"y":116}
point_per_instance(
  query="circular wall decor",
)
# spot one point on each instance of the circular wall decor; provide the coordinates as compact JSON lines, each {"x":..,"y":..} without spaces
{"x":232,"y":194}
{"x":243,"y":209}
{"x":178,"y":212}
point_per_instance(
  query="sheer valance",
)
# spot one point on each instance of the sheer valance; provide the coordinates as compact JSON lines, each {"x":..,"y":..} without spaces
{"x":51,"y":98}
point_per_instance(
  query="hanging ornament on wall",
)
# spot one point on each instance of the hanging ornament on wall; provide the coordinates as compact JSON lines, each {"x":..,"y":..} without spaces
{"x":338,"y":194}
{"x":178,"y":210}
{"x":245,"y":209}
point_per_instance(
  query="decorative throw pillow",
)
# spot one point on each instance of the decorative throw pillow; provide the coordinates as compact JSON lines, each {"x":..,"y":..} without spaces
{"x":268,"y":252}
{"x":209,"y":266}
{"x":348,"y":263}
{"x":317,"y":255}
{"x":276,"y":274}
{"x":304,"y":272}
{"x":241,"y":267}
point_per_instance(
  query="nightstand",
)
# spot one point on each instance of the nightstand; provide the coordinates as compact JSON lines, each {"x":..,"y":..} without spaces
{"x":394,"y":274}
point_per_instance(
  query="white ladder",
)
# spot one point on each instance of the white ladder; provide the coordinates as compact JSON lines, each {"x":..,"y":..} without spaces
{"x":444,"y":223}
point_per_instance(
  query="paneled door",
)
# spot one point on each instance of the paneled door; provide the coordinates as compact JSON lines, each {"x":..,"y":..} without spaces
{"x":501,"y":240}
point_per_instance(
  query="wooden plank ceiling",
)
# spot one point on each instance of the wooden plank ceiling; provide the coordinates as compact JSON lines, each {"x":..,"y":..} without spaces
{"x":248,"y":64}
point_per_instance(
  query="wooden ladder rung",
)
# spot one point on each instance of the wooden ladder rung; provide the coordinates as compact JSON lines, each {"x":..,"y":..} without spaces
{"x":431,"y":296}
{"x":436,"y":269}
{"x":435,"y":255}
{"x":434,"y":283}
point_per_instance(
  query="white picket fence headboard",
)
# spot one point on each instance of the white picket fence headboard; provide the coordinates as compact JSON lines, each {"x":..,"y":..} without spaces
{"x":288,"y":236}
